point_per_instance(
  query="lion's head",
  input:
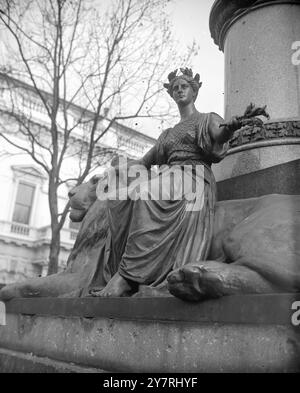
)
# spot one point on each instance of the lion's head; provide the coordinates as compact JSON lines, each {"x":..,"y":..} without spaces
{"x":81,"y":198}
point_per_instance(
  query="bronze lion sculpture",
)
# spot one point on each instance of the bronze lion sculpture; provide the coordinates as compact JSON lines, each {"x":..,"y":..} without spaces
{"x":254,"y":250}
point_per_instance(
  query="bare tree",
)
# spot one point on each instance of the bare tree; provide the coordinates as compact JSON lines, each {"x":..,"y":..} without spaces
{"x":73,"y":55}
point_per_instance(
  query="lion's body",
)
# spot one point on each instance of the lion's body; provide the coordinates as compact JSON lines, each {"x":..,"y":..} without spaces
{"x":255,"y":249}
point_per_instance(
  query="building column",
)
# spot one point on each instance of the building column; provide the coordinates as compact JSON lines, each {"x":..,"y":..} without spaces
{"x":261,"y":42}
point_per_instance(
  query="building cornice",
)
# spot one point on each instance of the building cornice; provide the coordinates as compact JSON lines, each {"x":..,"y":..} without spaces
{"x":89,"y":114}
{"x":34,"y":244}
{"x":225,"y":13}
{"x":29,"y":170}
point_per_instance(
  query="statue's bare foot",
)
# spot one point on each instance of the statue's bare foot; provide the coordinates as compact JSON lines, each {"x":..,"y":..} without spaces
{"x":195,"y":283}
{"x":116,"y":287}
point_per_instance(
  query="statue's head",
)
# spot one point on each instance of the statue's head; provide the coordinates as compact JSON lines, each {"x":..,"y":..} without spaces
{"x":82,"y":197}
{"x":187,"y":76}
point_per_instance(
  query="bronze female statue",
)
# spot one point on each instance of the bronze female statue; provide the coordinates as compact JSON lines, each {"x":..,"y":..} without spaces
{"x":151,"y":238}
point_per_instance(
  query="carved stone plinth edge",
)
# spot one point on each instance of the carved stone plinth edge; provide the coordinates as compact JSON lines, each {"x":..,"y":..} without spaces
{"x":273,"y":133}
{"x":225,"y":13}
{"x":248,"y":333}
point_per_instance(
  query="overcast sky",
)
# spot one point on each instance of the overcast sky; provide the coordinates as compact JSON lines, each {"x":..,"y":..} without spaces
{"x":191,"y":21}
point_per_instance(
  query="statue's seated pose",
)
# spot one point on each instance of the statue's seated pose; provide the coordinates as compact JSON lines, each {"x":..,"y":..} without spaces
{"x":253,"y":250}
{"x":201,"y":249}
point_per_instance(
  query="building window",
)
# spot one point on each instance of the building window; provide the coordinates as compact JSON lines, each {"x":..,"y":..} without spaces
{"x":23,"y":204}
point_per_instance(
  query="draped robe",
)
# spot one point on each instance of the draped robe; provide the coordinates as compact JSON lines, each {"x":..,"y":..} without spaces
{"x":152,"y":237}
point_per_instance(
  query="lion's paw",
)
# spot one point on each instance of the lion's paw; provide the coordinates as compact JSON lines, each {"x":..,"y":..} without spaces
{"x":18,"y":290}
{"x":195,"y":283}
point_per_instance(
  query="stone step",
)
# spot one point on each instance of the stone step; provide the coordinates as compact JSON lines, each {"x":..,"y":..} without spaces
{"x":250,"y":333}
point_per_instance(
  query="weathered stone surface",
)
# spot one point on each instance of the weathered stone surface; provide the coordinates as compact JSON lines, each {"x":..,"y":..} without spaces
{"x":254,"y":158}
{"x":243,"y":309}
{"x":233,"y":334}
{"x":278,"y":179}
{"x":224,"y":12}
{"x":258,"y":38}
{"x":258,"y":59}
{"x":12,"y":361}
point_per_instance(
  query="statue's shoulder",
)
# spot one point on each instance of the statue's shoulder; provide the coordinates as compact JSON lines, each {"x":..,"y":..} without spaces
{"x":212,"y":119}
{"x":164,"y":134}
{"x":213,"y":116}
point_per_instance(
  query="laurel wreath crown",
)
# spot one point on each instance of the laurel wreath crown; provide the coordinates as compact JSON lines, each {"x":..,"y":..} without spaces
{"x":185,"y":72}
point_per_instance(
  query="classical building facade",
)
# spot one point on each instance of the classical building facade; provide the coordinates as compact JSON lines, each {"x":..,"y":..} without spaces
{"x":24,"y":212}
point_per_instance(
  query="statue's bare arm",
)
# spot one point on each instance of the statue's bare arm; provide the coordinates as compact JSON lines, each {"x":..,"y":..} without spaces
{"x":221,"y":132}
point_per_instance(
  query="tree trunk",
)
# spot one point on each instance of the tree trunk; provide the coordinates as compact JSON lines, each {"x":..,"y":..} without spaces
{"x":54,"y":252}
{"x":55,"y":228}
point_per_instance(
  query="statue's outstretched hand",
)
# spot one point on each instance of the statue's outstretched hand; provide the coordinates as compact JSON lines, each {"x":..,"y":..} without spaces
{"x":248,"y":118}
{"x":252,"y":111}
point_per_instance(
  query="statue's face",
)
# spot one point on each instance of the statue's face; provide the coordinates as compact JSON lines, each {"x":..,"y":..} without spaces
{"x":183,"y":92}
{"x":81,"y":199}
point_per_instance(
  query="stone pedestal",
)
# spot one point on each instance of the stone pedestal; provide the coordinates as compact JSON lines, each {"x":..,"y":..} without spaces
{"x":250,"y":333}
{"x":257,"y":39}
